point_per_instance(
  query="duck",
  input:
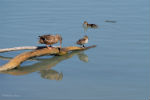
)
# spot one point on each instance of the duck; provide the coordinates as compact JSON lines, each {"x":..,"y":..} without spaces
{"x":83,"y":41}
{"x":86,"y":25}
{"x":50,"y":40}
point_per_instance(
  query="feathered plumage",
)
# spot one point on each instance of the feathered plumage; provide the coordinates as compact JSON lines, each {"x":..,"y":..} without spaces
{"x":50,"y":39}
{"x":86,"y":25}
{"x":82,"y":41}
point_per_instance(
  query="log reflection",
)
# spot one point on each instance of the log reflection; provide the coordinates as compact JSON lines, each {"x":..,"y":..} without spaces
{"x":44,"y":66}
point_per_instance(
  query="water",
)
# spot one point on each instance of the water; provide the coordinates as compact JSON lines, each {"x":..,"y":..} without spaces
{"x":117,"y":69}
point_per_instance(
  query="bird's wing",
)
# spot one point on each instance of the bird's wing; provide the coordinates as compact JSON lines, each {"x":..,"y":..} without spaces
{"x":81,"y":41}
{"x":49,"y":38}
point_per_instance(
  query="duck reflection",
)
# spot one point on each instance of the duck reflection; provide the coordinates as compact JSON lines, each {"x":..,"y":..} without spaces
{"x":83,"y":57}
{"x":51,"y":74}
{"x":44,"y":66}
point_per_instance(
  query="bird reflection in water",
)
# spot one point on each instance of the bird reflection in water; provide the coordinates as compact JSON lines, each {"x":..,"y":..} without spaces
{"x":83,"y":57}
{"x":51,"y":74}
{"x":44,"y":66}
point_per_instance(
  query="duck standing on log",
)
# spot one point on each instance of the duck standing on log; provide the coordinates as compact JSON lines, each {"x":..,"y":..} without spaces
{"x":83,"y":41}
{"x":50,"y":40}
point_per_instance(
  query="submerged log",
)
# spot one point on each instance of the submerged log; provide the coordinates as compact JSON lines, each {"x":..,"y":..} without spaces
{"x":16,"y":61}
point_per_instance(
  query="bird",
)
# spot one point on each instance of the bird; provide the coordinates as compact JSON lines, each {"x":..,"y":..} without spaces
{"x":83,"y":41}
{"x":50,"y":40}
{"x":86,"y":25}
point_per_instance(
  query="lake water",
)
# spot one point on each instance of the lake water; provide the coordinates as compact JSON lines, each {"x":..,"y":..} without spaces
{"x":117,"y":69}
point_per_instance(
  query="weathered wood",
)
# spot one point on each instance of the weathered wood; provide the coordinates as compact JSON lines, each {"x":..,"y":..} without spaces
{"x":22,"y":48}
{"x":19,"y":48}
{"x":16,"y":61}
{"x":32,"y":59}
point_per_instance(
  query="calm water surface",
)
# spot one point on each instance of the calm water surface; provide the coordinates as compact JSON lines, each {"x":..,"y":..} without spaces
{"x":117,"y":69}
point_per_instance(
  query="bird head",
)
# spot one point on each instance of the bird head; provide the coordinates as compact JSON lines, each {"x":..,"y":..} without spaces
{"x":85,"y":22}
{"x":41,"y":39}
{"x":86,"y":37}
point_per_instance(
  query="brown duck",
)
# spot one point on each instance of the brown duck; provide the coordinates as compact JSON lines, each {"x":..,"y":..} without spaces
{"x":82,"y":41}
{"x":50,"y":40}
{"x":86,"y":25}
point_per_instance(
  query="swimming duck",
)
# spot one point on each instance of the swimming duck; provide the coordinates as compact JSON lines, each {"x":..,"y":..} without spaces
{"x":86,"y":25}
{"x":50,"y":39}
{"x":82,"y":41}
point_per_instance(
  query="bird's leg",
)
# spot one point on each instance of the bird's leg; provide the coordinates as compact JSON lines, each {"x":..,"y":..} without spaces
{"x":60,"y":42}
{"x":48,"y":47}
{"x":59,"y":49}
{"x":51,"y":46}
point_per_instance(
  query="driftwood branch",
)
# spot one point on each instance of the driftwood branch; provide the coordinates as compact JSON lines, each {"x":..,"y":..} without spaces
{"x":32,"y":59}
{"x":19,"y":48}
{"x":22,"y":48}
{"x":16,"y":61}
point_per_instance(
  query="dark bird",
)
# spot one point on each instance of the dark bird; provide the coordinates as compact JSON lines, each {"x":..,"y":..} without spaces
{"x":82,"y":41}
{"x":50,"y":40}
{"x":110,"y":21}
{"x":86,"y":25}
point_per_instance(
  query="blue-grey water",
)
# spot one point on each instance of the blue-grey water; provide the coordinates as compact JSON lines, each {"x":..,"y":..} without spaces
{"x":117,"y":69}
